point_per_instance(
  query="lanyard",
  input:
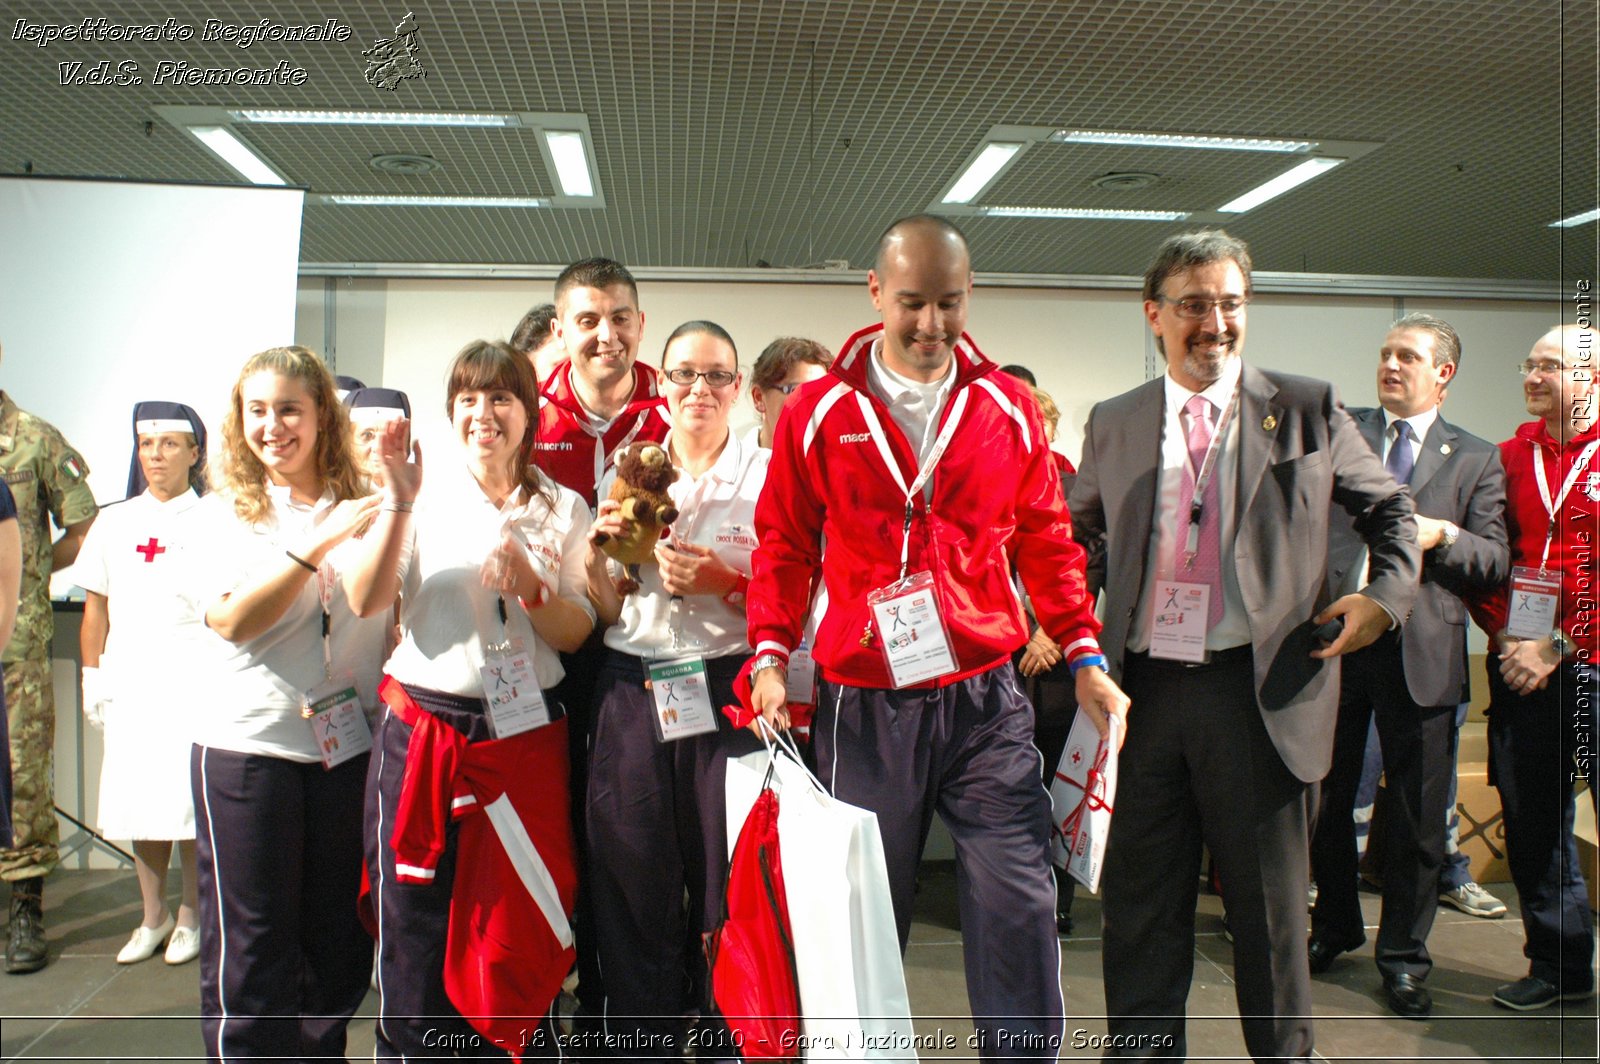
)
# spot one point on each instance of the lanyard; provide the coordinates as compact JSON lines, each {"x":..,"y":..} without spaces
{"x":957,"y":406}
{"x":510,"y":510}
{"x":325,"y":598}
{"x":1552,"y":505}
{"x":1202,"y":477}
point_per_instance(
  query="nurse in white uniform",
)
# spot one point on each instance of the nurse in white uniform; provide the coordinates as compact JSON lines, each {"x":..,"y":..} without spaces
{"x":138,"y":639}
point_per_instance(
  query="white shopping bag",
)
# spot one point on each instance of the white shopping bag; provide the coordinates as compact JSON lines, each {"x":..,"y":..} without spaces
{"x":847,"y":954}
{"x":1081,"y":796}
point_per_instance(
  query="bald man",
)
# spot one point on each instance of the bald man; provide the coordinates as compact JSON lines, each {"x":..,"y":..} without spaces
{"x":1542,"y":661}
{"x":925,"y":469}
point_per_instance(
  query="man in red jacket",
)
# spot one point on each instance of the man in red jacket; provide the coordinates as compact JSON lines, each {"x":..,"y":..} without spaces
{"x":599,"y":399}
{"x":1542,"y":664}
{"x":925,"y":469}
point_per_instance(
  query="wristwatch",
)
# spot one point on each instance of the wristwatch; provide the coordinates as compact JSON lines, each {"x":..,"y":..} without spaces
{"x":1563,"y":645}
{"x":767,"y":661}
{"x":1447,"y":537}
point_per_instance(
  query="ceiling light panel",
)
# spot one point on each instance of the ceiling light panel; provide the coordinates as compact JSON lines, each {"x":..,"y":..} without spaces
{"x":1270,"y":190}
{"x":1180,"y":140}
{"x":981,"y":171}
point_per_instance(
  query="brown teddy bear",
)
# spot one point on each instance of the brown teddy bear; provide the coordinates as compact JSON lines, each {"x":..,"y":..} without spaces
{"x":643,"y":473}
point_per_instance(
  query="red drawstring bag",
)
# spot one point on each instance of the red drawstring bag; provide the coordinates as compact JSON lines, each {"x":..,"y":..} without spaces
{"x":751,"y":956}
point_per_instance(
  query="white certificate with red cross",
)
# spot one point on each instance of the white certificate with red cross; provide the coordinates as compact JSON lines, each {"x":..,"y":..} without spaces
{"x":1081,"y":796}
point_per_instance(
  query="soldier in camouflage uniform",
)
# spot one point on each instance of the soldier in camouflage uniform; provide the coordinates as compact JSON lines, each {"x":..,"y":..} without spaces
{"x":47,"y":477}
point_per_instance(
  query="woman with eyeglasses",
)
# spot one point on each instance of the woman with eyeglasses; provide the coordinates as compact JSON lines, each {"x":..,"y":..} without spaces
{"x":656,"y":812}
{"x":785,"y":364}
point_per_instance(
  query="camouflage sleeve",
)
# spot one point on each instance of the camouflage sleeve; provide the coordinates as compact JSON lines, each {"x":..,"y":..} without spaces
{"x":65,"y":478}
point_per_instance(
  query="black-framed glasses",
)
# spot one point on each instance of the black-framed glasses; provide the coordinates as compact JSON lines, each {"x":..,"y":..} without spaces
{"x":1195,"y":309}
{"x":716,"y":378}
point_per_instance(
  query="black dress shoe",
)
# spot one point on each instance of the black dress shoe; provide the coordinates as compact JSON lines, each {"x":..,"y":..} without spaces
{"x":1320,"y":952}
{"x":1407,"y":996}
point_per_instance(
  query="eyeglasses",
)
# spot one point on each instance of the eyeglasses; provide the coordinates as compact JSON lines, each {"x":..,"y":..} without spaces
{"x":716,"y":378}
{"x":1196,"y":309}
{"x":1545,"y":367}
{"x":786,"y":389}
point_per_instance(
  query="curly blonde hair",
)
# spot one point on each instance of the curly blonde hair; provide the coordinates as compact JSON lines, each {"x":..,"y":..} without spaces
{"x":241,"y":473}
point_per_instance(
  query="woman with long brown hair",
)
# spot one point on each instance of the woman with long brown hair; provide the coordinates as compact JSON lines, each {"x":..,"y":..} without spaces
{"x":469,"y":844}
{"x":279,"y":762}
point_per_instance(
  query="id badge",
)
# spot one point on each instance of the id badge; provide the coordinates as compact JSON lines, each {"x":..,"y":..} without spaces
{"x":1535,"y":598}
{"x":516,"y":704}
{"x":916,"y":646}
{"x":1178,"y":621}
{"x":337,"y":723}
{"x":682,"y":698}
{"x":800,"y":684}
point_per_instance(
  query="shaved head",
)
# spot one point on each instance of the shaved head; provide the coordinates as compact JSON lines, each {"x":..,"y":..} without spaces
{"x":919,"y":234}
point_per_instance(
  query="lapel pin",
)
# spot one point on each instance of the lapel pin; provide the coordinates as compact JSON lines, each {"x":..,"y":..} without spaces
{"x":1269,"y":422}
{"x":1444,"y":448}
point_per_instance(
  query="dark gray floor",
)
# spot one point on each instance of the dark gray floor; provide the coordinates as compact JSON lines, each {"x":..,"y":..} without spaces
{"x":85,"y":1007}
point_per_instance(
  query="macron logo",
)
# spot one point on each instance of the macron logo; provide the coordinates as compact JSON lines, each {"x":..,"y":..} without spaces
{"x":855,"y":437}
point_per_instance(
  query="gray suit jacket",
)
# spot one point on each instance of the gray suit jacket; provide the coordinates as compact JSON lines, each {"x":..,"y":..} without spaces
{"x":1458,"y":477}
{"x":1298,"y":453}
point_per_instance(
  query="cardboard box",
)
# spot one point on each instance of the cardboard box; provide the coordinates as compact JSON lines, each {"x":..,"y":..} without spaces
{"x":1483,"y":826}
{"x":1474,"y":746}
{"x":1480,"y":688}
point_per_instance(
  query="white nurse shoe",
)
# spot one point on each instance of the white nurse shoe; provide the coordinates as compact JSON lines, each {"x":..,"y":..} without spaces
{"x":145,"y":941}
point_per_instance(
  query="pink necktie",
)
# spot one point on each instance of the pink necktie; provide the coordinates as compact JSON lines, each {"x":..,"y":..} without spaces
{"x":1206,"y":566}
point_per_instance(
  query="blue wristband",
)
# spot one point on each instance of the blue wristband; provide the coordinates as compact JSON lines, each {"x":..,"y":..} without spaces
{"x":1088,"y":659}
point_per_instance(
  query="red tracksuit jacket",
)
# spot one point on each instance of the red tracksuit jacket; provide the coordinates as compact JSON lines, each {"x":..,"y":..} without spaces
{"x":996,"y":497}
{"x":565,"y":447}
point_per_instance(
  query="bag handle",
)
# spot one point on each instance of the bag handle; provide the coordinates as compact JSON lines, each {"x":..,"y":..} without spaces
{"x":782,"y":742}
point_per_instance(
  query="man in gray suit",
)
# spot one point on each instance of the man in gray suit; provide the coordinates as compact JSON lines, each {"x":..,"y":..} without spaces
{"x":1413,"y":679}
{"x":1233,"y":692}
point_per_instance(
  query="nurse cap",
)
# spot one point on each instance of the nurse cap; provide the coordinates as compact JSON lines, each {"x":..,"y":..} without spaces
{"x":380,"y":405}
{"x":156,"y":416}
{"x":345,"y":385}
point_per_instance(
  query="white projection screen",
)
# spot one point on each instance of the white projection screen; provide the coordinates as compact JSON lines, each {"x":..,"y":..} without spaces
{"x":112,"y":292}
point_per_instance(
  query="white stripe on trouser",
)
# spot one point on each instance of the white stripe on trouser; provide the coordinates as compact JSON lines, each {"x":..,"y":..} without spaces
{"x":216,"y":881}
{"x":377,"y":888}
{"x":833,"y":773}
{"x":530,"y":867}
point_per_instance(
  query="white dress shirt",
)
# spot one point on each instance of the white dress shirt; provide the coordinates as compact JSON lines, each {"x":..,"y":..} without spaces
{"x":716,"y":509}
{"x":914,"y":405}
{"x":1233,"y":628}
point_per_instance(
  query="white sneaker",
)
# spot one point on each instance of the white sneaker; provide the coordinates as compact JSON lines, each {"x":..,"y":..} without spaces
{"x":144,"y":942}
{"x":184,"y":945}
{"x":1474,"y":901}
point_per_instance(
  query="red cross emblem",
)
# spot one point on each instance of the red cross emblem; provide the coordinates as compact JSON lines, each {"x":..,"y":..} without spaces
{"x":151,"y":549}
{"x":1077,"y":756}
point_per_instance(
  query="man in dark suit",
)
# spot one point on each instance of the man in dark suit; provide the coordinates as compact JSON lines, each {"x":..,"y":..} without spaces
{"x":1233,"y":693}
{"x":1411,"y":680}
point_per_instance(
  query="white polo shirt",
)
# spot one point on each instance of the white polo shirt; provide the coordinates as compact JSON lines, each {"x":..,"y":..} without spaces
{"x":715,"y":510}
{"x":447,"y":616}
{"x":259,"y":685}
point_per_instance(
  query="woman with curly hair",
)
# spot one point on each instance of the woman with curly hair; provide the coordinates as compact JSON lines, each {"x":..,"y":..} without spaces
{"x":279,"y":761}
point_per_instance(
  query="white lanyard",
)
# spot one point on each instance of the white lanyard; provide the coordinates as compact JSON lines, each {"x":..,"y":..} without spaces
{"x":957,"y":406}
{"x":1552,"y":505}
{"x":1202,"y":477}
